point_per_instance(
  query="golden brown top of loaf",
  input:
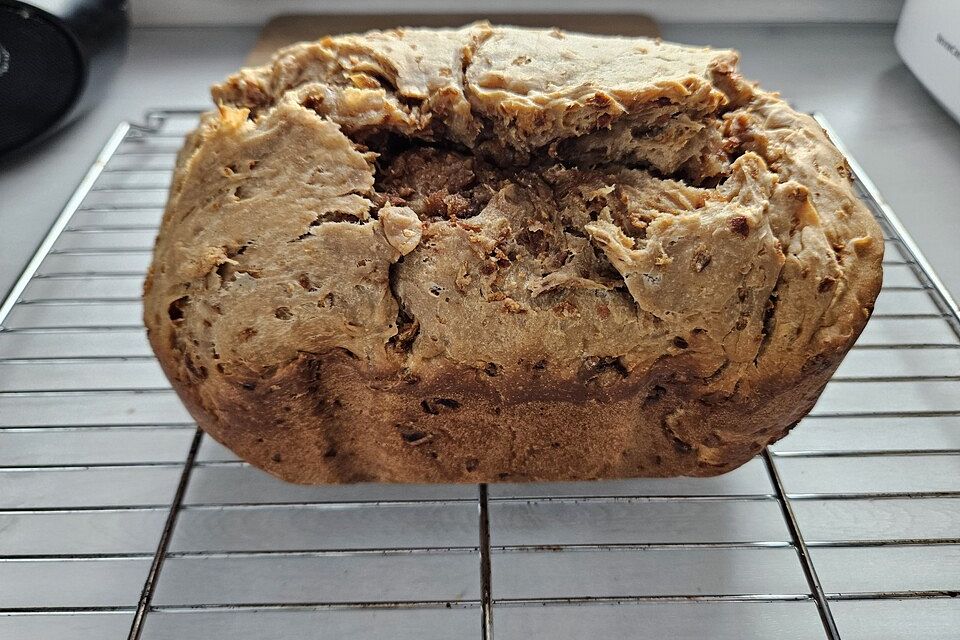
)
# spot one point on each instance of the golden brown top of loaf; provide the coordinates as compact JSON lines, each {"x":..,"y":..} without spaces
{"x":508,"y":200}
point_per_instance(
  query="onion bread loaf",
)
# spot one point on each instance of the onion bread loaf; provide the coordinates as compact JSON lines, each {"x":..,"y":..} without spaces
{"x":501,"y":254}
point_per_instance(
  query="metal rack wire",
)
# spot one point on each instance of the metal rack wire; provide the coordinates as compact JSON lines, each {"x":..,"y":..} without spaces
{"x":119,"y":519}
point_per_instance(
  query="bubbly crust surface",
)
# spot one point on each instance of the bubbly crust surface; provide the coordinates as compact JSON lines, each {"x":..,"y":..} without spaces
{"x":501,"y":254}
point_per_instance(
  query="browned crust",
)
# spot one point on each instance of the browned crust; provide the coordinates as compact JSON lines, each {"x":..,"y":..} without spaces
{"x":307,"y":424}
{"x":336,"y":399}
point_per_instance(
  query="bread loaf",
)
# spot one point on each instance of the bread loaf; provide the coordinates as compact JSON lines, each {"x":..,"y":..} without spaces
{"x":501,"y":254}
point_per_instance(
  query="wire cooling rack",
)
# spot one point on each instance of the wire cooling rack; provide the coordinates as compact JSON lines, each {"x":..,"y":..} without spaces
{"x":118,"y":519}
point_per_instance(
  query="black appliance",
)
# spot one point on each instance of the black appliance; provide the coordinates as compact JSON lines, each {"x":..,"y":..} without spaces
{"x":56,"y":57}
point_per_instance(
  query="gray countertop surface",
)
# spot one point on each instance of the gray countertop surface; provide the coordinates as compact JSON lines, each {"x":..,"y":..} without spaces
{"x":906,"y":143}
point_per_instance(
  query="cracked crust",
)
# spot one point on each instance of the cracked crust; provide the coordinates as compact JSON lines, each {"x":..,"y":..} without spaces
{"x":495,"y":254}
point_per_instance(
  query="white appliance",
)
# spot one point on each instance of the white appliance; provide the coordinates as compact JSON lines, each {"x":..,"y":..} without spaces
{"x":928,"y":39}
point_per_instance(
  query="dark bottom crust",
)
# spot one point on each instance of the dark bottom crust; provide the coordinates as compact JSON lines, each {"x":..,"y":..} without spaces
{"x":322,"y":421}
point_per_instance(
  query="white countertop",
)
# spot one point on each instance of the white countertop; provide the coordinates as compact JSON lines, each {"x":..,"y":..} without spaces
{"x":906,"y":143}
